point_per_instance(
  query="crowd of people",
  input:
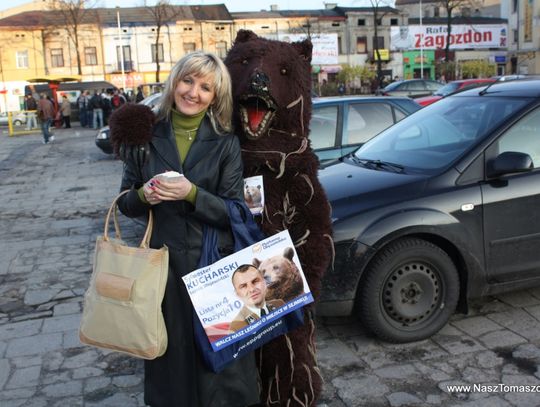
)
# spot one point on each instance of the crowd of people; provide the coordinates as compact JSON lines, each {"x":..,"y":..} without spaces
{"x":94,"y":109}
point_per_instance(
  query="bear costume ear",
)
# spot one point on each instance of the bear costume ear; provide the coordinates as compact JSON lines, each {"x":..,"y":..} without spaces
{"x":256,"y":262}
{"x":288,"y":253}
{"x":304,"y":48}
{"x":245,"y":36}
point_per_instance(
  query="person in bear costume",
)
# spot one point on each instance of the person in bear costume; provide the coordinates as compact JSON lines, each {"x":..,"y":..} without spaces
{"x":272,"y":109}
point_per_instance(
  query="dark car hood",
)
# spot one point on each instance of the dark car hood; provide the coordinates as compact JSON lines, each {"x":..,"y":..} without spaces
{"x":352,"y":189}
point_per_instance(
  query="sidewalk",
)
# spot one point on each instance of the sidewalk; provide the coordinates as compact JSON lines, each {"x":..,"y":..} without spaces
{"x":53,"y":204}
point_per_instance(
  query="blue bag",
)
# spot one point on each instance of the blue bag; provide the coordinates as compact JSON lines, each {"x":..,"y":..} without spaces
{"x":245,"y":232}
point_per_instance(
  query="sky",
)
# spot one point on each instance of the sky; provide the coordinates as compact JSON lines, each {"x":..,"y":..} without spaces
{"x":232,"y":5}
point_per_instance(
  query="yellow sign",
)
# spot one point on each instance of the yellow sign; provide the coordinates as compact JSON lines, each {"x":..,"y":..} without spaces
{"x":383,"y":53}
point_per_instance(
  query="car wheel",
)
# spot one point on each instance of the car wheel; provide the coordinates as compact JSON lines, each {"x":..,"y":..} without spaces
{"x":410,"y":291}
{"x":17,"y":122}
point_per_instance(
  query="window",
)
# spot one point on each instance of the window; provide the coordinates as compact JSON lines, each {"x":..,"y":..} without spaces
{"x":57,"y":57}
{"x":394,"y":21}
{"x":361,"y":21}
{"x":128,"y":64}
{"x":189,"y":47}
{"x":361,"y":45}
{"x":365,"y":120}
{"x":22,"y":59}
{"x":340,"y":47}
{"x":220,"y":28}
{"x":515,"y":34}
{"x":524,"y":137}
{"x":436,"y":11}
{"x":378,"y":42}
{"x":335,"y":24}
{"x":221,"y":49}
{"x":90,"y":56}
{"x":323,"y":126}
{"x":160,"y":57}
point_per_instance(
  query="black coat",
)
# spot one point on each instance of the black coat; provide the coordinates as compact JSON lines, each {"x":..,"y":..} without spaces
{"x":214,"y":164}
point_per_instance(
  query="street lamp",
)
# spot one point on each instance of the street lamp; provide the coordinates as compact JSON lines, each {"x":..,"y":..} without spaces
{"x":121,"y":48}
{"x":421,"y":44}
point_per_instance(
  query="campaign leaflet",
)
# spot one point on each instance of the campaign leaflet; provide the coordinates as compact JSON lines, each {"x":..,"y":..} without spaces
{"x":245,"y":294}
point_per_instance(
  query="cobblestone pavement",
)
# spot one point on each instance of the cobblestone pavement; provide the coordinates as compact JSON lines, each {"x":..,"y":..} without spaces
{"x":53,"y":201}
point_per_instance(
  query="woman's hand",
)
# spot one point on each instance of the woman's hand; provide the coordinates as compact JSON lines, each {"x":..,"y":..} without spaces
{"x":172,"y":191}
{"x":149,"y":191}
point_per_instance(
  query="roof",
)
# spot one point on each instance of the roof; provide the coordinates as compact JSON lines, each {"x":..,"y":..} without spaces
{"x":458,"y":20}
{"x":128,"y":16}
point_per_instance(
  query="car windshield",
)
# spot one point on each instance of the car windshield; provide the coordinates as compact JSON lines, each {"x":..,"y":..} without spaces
{"x":447,"y":89}
{"x":434,"y":137}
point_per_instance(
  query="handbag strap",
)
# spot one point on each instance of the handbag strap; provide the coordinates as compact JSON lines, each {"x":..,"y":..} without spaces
{"x":145,"y":242}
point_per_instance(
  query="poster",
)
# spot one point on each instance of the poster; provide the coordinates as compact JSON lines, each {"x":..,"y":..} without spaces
{"x":245,"y":295}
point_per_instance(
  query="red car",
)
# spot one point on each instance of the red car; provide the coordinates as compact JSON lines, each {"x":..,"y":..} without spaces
{"x":453,"y":87}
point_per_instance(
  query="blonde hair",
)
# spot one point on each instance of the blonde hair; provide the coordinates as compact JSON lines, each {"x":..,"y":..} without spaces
{"x":199,"y":64}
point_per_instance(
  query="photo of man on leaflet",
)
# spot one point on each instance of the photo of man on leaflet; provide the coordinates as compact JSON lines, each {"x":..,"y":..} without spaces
{"x":250,"y":287}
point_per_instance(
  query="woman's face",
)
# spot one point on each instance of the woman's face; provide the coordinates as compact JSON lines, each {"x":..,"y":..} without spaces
{"x":193,"y":94}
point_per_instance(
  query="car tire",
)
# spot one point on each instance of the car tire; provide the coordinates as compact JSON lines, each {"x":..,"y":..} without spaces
{"x":17,"y":122}
{"x":409,"y":292}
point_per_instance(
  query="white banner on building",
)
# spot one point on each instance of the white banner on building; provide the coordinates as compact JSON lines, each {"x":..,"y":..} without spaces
{"x":435,"y":36}
{"x":325,"y":47}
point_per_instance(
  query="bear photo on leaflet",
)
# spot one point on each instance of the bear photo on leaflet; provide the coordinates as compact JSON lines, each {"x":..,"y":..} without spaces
{"x":282,"y":276}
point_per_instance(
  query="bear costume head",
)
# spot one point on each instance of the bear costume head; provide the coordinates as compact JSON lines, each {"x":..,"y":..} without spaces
{"x":271,"y":93}
{"x":282,"y":276}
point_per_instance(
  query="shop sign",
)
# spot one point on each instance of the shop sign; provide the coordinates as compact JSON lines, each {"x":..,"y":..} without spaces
{"x":435,"y":37}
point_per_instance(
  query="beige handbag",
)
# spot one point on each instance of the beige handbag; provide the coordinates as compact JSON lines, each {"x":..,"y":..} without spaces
{"x":122,"y":306}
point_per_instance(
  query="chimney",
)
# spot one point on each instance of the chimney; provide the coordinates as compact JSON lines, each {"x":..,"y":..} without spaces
{"x":274,"y":7}
{"x":329,"y":6}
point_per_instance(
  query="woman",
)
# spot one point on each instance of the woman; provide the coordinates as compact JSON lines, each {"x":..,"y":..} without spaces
{"x":190,"y":137}
{"x":65,"y":108}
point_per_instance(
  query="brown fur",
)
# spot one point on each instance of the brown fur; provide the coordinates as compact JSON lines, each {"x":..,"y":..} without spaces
{"x":282,"y":276}
{"x":131,"y":125}
{"x":273,"y":79}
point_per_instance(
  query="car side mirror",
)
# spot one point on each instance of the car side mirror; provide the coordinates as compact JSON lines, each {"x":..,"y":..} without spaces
{"x":509,"y":162}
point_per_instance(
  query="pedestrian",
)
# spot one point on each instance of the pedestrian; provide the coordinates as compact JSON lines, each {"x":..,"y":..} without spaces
{"x":30,"y":105}
{"x":195,"y":116}
{"x":117,"y":100}
{"x":140,"y":95}
{"x":46,"y":117}
{"x":106,"y":96}
{"x":82,"y":104}
{"x":96,"y":105}
{"x":65,"y":108}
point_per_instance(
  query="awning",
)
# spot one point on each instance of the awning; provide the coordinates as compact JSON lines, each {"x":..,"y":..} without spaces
{"x":54,"y":79}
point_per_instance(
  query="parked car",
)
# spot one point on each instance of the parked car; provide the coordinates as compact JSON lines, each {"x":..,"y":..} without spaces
{"x":18,"y":118}
{"x":452,"y":87}
{"x":340,"y":124}
{"x":439,"y":208}
{"x":102,"y":137}
{"x":413,"y":88}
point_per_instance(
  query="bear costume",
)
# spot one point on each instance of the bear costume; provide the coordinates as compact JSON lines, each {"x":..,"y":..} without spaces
{"x":272,"y":103}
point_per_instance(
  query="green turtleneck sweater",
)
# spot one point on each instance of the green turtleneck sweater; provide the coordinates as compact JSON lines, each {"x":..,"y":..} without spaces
{"x":185,"y":130}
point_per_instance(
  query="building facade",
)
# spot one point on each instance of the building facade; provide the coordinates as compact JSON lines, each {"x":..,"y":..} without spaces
{"x":125,"y":45}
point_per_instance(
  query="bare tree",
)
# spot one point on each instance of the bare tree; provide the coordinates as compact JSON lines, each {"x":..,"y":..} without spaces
{"x":451,"y":6}
{"x":73,"y":14}
{"x":162,"y":13}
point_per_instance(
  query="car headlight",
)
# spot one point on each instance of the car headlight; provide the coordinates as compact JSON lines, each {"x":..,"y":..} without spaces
{"x":103,"y":135}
